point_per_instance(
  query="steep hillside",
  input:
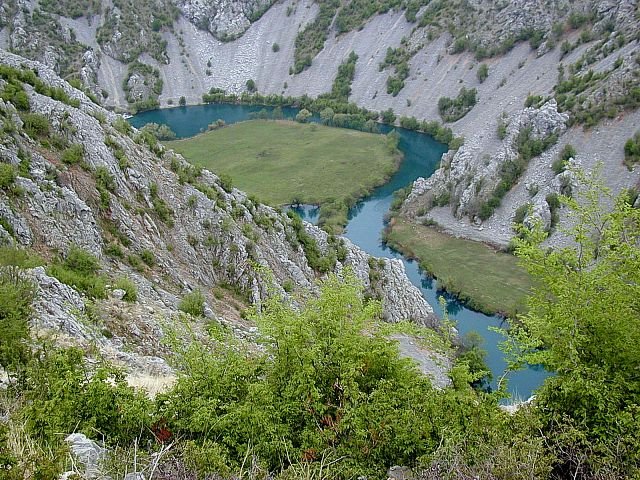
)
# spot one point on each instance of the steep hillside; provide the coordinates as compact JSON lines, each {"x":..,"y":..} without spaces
{"x":76,"y":176}
{"x":411,"y":55}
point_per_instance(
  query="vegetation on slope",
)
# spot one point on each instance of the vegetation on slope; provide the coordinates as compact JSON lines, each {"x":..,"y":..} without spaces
{"x":286,"y":162}
{"x":487,"y":280}
{"x":321,"y":396}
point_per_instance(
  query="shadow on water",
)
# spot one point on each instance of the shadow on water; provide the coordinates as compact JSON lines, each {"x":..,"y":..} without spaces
{"x":366,"y":223}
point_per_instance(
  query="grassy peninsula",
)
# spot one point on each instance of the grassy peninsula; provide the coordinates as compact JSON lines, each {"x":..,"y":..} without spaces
{"x":488,"y":280}
{"x":283,"y":162}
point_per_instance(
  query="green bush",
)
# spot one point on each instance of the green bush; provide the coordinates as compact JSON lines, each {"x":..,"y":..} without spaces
{"x":131,"y":291}
{"x":452,"y":110}
{"x":148,"y":257}
{"x":632,"y":151}
{"x":321,"y":389}
{"x":193,"y":304}
{"x":16,"y":297}
{"x":36,"y":125}
{"x":73,"y":155}
{"x":80,"y":270}
{"x":559,"y":165}
{"x":64,"y":396}
{"x":7,"y":176}
{"x":483,"y":72}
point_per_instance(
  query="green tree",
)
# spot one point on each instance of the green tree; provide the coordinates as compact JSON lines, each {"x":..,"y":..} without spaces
{"x":326,"y":115}
{"x":303,"y":115}
{"x":251,"y":85}
{"x":183,"y":101}
{"x":583,"y":324}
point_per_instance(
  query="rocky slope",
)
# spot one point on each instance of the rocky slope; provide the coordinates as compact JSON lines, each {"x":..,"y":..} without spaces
{"x":150,"y":217}
{"x":529,"y":47}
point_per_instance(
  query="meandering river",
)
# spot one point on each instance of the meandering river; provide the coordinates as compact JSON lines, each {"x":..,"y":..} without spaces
{"x":366,"y":223}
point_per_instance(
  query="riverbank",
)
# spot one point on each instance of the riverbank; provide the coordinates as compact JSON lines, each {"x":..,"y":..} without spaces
{"x":485,"y":279}
{"x":284,"y":162}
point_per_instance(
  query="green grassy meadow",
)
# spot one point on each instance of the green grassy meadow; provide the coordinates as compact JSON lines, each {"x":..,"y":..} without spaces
{"x":488,"y":280}
{"x":284,"y":162}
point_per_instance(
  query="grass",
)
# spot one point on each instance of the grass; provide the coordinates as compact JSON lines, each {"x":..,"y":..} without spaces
{"x":489,"y":281}
{"x":284,"y":162}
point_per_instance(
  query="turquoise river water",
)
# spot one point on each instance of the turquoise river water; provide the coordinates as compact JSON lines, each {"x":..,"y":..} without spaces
{"x":366,"y":223}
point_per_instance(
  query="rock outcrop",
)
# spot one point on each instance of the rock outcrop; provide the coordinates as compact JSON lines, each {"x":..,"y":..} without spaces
{"x":223,"y":18}
{"x":466,"y":181}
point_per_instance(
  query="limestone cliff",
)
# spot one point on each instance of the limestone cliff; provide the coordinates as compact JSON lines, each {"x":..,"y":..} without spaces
{"x":151,"y":217}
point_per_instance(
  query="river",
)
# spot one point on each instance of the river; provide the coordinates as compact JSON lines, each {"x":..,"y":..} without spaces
{"x":366,"y":222}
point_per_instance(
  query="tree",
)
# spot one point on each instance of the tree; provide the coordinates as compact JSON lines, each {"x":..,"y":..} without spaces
{"x":326,"y":115}
{"x":183,"y":101}
{"x":251,"y":85}
{"x":583,"y":324}
{"x":388,"y":116}
{"x":303,"y":115}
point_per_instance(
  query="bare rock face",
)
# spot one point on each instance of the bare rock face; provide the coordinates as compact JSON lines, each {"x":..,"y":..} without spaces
{"x":225,"y":19}
{"x":468,"y":177}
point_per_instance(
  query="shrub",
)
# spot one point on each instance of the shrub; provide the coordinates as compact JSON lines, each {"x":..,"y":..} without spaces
{"x":148,"y":257}
{"x":7,"y":176}
{"x":16,"y":296}
{"x":632,"y":151}
{"x":193,"y":304}
{"x":73,"y":155}
{"x":275,"y":47}
{"x":452,"y":110}
{"x":80,"y":271}
{"x":36,"y":125}
{"x":483,"y":72}
{"x":131,"y":291}
{"x":559,"y":165}
{"x":251,"y":86}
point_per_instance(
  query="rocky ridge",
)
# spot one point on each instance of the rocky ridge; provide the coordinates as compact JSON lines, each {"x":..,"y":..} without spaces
{"x":202,"y":234}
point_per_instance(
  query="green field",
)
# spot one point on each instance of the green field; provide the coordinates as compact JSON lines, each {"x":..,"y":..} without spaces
{"x":284,"y":162}
{"x":487,"y":280}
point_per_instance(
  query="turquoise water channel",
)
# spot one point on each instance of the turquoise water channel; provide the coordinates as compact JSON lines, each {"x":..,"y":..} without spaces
{"x":366,"y":223}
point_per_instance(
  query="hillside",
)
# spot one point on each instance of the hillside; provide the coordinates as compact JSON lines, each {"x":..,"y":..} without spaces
{"x":411,"y":54}
{"x":158,"y":323}
{"x":82,"y":177}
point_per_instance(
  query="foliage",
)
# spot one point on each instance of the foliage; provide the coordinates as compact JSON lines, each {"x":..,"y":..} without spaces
{"x":251,"y":86}
{"x":36,"y":125}
{"x":559,"y":165}
{"x":73,"y":155}
{"x":16,"y":295}
{"x":79,"y":269}
{"x":310,"y":40}
{"x":583,"y":324}
{"x":63,"y":397}
{"x":632,"y":151}
{"x":160,"y":206}
{"x":454,"y":109}
{"x":483,"y":72}
{"x":133,"y":27}
{"x":341,"y":88}
{"x":160,"y":131}
{"x":323,"y":389}
{"x":528,"y":146}
{"x":130,"y":289}
{"x":303,"y":115}
{"x":193,"y":303}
